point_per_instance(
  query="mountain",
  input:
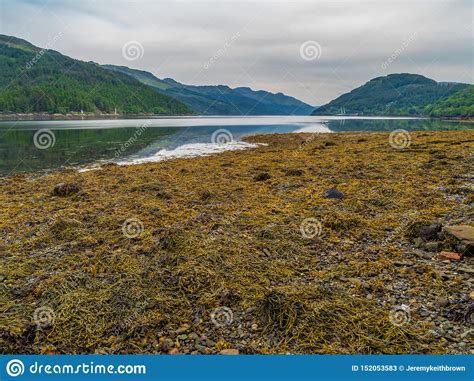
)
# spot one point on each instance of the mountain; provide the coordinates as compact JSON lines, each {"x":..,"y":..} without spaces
{"x":42,"y":80}
{"x":221,"y":100}
{"x":403,"y":94}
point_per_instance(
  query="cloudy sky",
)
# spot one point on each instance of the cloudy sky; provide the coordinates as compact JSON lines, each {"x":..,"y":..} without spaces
{"x":313,"y":50}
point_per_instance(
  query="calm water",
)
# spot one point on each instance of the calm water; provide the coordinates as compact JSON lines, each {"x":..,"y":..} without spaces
{"x":46,"y":145}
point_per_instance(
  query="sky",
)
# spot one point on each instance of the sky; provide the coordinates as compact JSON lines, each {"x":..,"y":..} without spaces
{"x":312,"y":50}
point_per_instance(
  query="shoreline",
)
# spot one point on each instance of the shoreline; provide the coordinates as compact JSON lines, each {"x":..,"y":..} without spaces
{"x":242,"y":251}
{"x":33,"y":117}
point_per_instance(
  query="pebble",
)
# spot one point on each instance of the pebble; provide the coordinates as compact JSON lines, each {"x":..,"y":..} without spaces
{"x":174,"y":351}
{"x":182,"y":329}
{"x":441,"y":302}
{"x":229,"y":352}
{"x":471,"y":295}
{"x":254,"y":327}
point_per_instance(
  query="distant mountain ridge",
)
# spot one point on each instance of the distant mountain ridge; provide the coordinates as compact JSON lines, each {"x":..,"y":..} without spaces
{"x":221,"y":99}
{"x":404,"y":95}
{"x":35,"y":80}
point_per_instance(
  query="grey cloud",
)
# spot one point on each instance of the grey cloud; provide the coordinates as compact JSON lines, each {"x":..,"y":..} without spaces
{"x":431,"y":37}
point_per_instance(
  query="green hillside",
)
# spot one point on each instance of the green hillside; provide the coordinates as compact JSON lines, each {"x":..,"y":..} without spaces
{"x":41,"y":80}
{"x":403,"y":94}
{"x":459,"y":104}
{"x":221,"y":99}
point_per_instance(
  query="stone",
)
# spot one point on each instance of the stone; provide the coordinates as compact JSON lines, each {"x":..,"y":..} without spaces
{"x":461,"y":232}
{"x":449,"y":255}
{"x":333,"y":193}
{"x":182,"y":329}
{"x":254,"y":327}
{"x":418,"y":242}
{"x":471,"y":295}
{"x":432,"y":246}
{"x":430,"y":232}
{"x":441,"y":302}
{"x":262,"y":176}
{"x":465,"y":234}
{"x":65,"y":189}
{"x":466,"y":269}
{"x":229,"y":352}
{"x":182,"y":337}
{"x":174,"y":351}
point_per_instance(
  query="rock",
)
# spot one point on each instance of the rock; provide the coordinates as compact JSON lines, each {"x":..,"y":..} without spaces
{"x":432,"y":246}
{"x":449,"y":255}
{"x":182,"y":337}
{"x":254,"y":327}
{"x":294,"y":172}
{"x":466,"y":269}
{"x":465,"y":234}
{"x":229,"y":352}
{"x":430,"y":232}
{"x":201,"y":348}
{"x":418,"y":242}
{"x":65,"y":189}
{"x":471,"y":295}
{"x":441,"y":302}
{"x":262,"y":176}
{"x":182,"y":329}
{"x":174,"y":351}
{"x":333,"y":193}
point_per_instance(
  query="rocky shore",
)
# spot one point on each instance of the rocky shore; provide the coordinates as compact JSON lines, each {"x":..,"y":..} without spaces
{"x":324,"y":243}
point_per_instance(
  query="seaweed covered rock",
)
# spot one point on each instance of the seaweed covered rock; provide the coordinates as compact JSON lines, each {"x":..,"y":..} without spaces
{"x":429,"y":232}
{"x":334,"y":193}
{"x":65,"y":189}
